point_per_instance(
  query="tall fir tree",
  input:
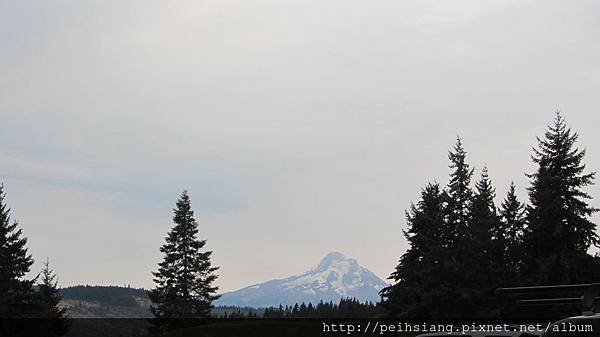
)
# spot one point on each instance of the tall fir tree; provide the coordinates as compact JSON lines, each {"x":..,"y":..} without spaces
{"x":458,"y":300}
{"x":415,"y":280}
{"x":559,"y":231}
{"x":484,"y":249}
{"x":483,"y":217}
{"x":510,"y":249}
{"x":459,"y":197}
{"x":513,"y":219}
{"x":184,"y":281}
{"x":54,"y":317}
{"x":17,"y":299}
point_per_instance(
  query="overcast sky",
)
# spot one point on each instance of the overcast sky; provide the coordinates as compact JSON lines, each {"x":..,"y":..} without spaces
{"x":298,"y":127}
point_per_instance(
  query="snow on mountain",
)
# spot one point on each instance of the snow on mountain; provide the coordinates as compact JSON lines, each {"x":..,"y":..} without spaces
{"x":336,"y":277}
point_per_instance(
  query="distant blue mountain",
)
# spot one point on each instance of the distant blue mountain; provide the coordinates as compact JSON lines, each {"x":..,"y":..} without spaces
{"x":336,"y":277}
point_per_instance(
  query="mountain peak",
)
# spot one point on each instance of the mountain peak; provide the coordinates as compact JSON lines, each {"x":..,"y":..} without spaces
{"x":331,"y":259}
{"x":336,"y":277}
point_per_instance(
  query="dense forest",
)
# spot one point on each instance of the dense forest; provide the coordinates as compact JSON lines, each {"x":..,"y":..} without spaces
{"x":463,"y":246}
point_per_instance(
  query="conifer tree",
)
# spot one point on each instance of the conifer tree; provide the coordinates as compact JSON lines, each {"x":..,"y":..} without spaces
{"x":459,"y":197}
{"x":513,"y":216}
{"x":54,"y":318}
{"x":184,"y":281}
{"x":483,"y":275}
{"x":458,"y":299}
{"x":419,"y":270}
{"x":17,"y":299}
{"x":560,"y":231}
{"x":509,"y":246}
{"x":483,"y":218}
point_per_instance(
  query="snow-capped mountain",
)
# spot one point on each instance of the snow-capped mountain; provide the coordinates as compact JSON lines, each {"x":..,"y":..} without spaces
{"x":336,"y":277}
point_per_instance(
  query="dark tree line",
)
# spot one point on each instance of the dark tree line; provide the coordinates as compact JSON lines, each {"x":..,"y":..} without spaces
{"x":237,"y":313}
{"x":28,"y":307}
{"x":346,"y":308}
{"x":232,"y":311}
{"x":463,"y":246}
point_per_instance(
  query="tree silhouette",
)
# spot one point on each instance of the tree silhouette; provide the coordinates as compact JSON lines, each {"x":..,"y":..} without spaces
{"x":485,"y":251}
{"x":184,"y":281}
{"x":54,"y":321}
{"x":559,"y":230}
{"x":513,"y":220}
{"x":17,"y":298}
{"x":416,"y":277}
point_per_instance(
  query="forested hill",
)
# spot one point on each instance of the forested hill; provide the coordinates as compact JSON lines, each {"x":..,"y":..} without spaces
{"x":125,"y":302}
{"x":106,"y":301}
{"x":110,"y":295}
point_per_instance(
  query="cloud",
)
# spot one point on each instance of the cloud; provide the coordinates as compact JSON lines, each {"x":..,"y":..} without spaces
{"x":299,"y":127}
{"x":12,"y":165}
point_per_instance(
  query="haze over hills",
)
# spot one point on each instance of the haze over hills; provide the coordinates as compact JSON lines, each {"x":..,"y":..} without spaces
{"x":336,"y":277}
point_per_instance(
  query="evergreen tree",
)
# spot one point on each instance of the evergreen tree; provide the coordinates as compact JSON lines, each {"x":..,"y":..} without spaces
{"x":483,"y":220}
{"x":509,"y":246}
{"x":560,"y":231}
{"x":485,"y":247}
{"x":17,"y":299}
{"x":416,"y":279}
{"x":459,"y":197}
{"x":55,"y":321}
{"x":457,"y":298}
{"x":184,"y":280}
{"x":513,"y":216}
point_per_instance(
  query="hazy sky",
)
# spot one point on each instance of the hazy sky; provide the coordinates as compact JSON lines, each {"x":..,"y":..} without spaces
{"x":298,"y":127}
